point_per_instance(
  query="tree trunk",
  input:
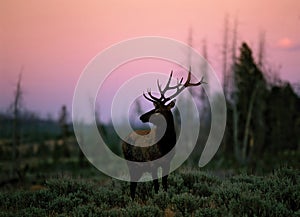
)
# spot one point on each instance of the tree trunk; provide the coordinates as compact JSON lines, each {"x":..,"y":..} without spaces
{"x":247,"y":126}
{"x":16,"y":128}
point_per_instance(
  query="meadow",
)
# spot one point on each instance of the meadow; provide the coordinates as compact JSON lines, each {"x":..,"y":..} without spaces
{"x":191,"y":192}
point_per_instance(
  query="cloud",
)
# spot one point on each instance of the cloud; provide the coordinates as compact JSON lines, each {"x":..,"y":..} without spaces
{"x":285,"y":43}
{"x":288,"y":44}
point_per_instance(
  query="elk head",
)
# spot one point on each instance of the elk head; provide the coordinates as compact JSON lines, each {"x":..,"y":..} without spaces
{"x":153,"y":116}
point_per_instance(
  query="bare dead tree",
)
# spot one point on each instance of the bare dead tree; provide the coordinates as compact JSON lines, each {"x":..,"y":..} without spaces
{"x":190,"y":43}
{"x":63,"y":122}
{"x":16,"y":106}
{"x":225,"y":53}
{"x":64,"y":127}
{"x":244,"y":157}
{"x":204,"y":70}
{"x":234,"y":40}
{"x":261,"y":49}
{"x":81,"y":139}
{"x":235,"y":114}
{"x":204,"y":67}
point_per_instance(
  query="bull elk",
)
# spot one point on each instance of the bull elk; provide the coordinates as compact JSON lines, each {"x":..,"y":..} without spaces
{"x":135,"y":149}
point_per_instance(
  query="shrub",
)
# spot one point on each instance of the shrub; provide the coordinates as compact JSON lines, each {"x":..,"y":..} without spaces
{"x":190,"y":194}
{"x":86,"y":210}
{"x":32,"y":212}
{"x":208,"y":212}
{"x":63,"y":204}
{"x":249,"y":205}
{"x":68,"y":185}
{"x":202,"y":190}
{"x":185,"y":203}
{"x":144,"y":191}
{"x":161,"y":200}
{"x":112,"y":213}
{"x":142,"y":211}
{"x":224,"y":194}
{"x":113,"y":198}
{"x":176,"y":185}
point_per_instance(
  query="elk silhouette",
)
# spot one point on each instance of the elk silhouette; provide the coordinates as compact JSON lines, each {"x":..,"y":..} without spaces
{"x":139,"y":151}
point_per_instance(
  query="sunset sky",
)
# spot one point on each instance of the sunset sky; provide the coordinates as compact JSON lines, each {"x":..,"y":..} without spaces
{"x":54,"y":40}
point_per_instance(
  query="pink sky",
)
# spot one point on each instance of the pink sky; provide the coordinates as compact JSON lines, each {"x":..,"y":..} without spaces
{"x":54,"y":40}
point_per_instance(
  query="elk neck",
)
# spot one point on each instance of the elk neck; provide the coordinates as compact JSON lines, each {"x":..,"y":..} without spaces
{"x":168,"y":141}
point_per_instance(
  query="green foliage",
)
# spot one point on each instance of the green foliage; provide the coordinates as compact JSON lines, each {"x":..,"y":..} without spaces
{"x":161,"y":200}
{"x":263,"y":117}
{"x":176,"y":185}
{"x":69,"y":186}
{"x":111,"y":197}
{"x":208,"y":212}
{"x":283,"y":118}
{"x":250,"y":106}
{"x":137,"y":210}
{"x":33,"y":212}
{"x":185,"y":203}
{"x":191,"y":193}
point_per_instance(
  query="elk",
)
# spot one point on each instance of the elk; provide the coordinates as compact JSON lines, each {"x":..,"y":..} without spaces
{"x":136,"y":152}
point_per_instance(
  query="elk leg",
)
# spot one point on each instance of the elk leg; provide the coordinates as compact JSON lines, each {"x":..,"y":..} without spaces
{"x":166,"y":170}
{"x":156,"y":185}
{"x":165,"y":182}
{"x":155,"y":180}
{"x":132,"y":189}
{"x":134,"y":175}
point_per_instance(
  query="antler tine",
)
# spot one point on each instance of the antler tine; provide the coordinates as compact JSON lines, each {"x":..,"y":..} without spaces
{"x":181,"y":80}
{"x":169,"y":81}
{"x":188,"y":81}
{"x":180,"y":87}
{"x":153,"y":97}
{"x":203,"y":82}
{"x":159,"y":86}
{"x":167,"y":87}
{"x":163,"y":91}
{"x":151,"y":100}
{"x":188,"y":78}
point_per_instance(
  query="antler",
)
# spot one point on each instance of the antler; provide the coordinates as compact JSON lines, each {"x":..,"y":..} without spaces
{"x":179,"y":88}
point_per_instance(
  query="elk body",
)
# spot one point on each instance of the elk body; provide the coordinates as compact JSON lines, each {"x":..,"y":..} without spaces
{"x":136,"y":149}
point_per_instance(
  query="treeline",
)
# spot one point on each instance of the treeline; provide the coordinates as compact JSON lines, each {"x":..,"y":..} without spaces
{"x":33,"y":127}
{"x":263,"y":115}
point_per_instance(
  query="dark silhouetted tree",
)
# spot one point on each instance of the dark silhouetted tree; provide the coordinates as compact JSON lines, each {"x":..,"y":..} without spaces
{"x":16,"y":107}
{"x":63,"y":122}
{"x":249,"y":106}
{"x":261,"y":49}
{"x":283,"y":119}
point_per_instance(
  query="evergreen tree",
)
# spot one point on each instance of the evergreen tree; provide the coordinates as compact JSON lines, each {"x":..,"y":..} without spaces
{"x":283,"y":119}
{"x":249,"y":106}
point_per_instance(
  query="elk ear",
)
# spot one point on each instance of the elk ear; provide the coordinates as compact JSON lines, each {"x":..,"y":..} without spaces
{"x":171,"y":105}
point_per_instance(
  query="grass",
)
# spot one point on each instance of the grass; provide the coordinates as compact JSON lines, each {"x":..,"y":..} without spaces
{"x":191,"y":193}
